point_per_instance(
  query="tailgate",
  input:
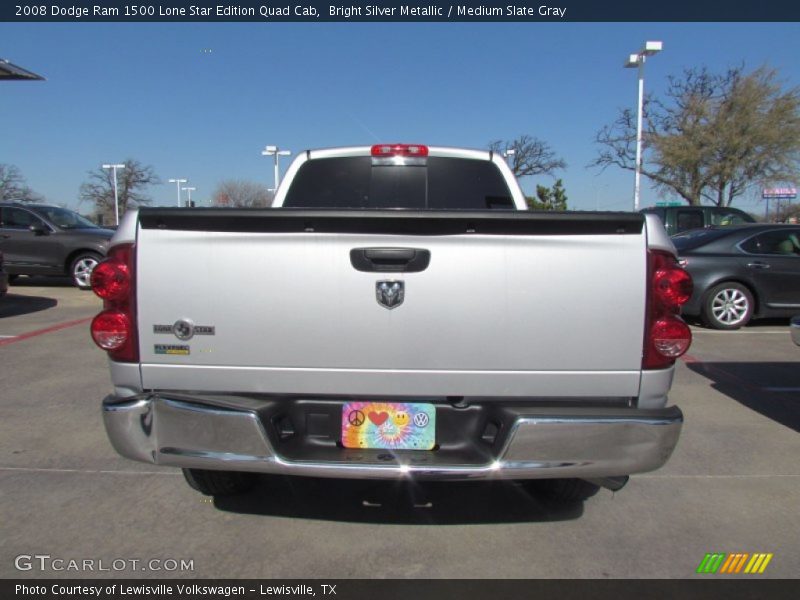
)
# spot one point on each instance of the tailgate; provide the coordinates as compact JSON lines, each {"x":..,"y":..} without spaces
{"x":520,"y":304}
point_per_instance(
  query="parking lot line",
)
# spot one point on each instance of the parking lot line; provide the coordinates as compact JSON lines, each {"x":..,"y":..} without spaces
{"x":99,"y":471}
{"x":24,"y":336}
{"x":737,"y":332}
{"x":727,"y":476}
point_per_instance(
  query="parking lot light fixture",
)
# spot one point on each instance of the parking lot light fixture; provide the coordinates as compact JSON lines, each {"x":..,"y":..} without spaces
{"x":178,"y":183}
{"x":114,"y":168}
{"x":276,"y":152}
{"x":188,"y":191}
{"x":509,"y":154}
{"x":636,"y":61}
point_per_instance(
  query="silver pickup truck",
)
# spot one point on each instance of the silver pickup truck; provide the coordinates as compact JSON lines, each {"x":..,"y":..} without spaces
{"x":397,"y":313}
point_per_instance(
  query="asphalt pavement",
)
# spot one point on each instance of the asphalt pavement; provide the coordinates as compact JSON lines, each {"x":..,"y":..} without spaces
{"x":732,"y":485}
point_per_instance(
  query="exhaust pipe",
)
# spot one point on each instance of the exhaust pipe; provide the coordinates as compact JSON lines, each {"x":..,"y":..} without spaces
{"x":610,"y":483}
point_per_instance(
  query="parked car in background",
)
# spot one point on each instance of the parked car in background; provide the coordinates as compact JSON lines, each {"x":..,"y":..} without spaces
{"x":3,"y":278}
{"x":677,"y":219}
{"x":48,"y":240}
{"x":741,"y":272}
{"x":795,"y":327}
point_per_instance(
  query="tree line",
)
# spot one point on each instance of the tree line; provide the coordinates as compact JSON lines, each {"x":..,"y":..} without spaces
{"x":133,"y":182}
{"x":710,"y":137}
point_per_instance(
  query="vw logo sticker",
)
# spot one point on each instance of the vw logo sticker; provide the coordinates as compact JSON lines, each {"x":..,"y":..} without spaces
{"x":421,"y":419}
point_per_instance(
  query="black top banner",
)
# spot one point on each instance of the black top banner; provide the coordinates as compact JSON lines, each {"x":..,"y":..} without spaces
{"x":313,"y":11}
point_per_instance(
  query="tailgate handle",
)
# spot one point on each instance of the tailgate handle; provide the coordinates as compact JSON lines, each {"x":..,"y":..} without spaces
{"x":383,"y":260}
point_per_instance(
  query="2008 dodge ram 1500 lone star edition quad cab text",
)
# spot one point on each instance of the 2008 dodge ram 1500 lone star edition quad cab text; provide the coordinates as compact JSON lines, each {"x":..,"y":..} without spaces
{"x":397,"y":313}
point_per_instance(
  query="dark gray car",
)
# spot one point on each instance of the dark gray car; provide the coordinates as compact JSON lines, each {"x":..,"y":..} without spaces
{"x":37,"y":239}
{"x":741,"y":272}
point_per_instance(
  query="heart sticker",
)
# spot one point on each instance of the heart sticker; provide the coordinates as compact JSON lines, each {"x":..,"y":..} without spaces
{"x":379,"y":418}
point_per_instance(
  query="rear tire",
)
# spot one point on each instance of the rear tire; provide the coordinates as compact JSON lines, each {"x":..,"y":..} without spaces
{"x":563,"y":490}
{"x":219,"y":483}
{"x":728,"y":306}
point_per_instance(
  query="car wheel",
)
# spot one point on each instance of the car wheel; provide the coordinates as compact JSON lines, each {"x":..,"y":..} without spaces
{"x":562,"y":490}
{"x":82,"y":267}
{"x":727,"y":306}
{"x":219,"y":483}
{"x":12,"y":278}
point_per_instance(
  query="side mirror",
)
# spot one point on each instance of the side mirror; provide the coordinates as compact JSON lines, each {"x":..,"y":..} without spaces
{"x":39,"y":229}
{"x":794,"y":325}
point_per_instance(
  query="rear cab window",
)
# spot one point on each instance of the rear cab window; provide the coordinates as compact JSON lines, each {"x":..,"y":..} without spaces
{"x":433,"y":183}
{"x":689,"y":218}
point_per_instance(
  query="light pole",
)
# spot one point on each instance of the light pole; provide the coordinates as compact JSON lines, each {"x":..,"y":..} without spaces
{"x":189,"y":191}
{"x":116,"y":197}
{"x":509,"y":153}
{"x":178,"y":183}
{"x":276,"y":152}
{"x":637,"y":61}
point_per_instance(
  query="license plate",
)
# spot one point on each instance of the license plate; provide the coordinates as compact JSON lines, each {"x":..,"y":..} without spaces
{"x":389,"y":425}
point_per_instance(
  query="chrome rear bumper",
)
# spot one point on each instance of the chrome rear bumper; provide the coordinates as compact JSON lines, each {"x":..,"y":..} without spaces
{"x":230,"y":434}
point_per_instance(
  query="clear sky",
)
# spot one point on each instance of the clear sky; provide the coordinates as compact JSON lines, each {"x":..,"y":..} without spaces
{"x":200,"y":101}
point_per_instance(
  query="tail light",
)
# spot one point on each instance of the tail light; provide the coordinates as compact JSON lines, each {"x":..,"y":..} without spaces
{"x":114,"y":329}
{"x":111,"y":280}
{"x":672,"y":286}
{"x":671,"y":337}
{"x":111,"y":329}
{"x":404,"y":150}
{"x":666,"y":335}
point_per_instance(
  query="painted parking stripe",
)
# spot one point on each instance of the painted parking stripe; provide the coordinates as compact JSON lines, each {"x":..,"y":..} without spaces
{"x":25,"y":336}
{"x":738,"y":332}
{"x":100,"y":471}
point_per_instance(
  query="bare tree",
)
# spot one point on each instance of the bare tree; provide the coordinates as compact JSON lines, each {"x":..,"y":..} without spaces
{"x":13,"y":187}
{"x":713,"y":137}
{"x":236,"y":193}
{"x":531,"y":156}
{"x":131,"y":184}
{"x":787,"y":213}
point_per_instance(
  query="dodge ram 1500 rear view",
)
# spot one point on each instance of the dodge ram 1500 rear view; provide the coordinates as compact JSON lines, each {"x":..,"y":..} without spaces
{"x":397,"y":313}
